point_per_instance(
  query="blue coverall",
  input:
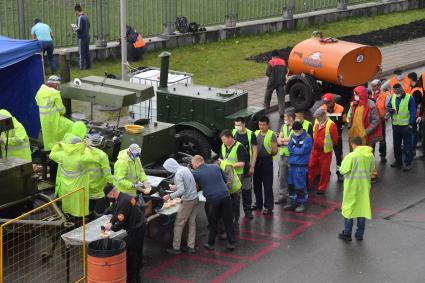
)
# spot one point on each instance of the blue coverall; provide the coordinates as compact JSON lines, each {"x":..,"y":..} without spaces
{"x":299,"y":155}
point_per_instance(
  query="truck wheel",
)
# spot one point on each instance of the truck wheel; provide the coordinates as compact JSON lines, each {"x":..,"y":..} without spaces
{"x":300,"y":96}
{"x":194,"y":143}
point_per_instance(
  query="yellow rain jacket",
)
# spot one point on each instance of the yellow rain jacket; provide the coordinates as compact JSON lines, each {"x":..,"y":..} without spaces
{"x":127,"y":172}
{"x":53,"y":124}
{"x":17,"y":140}
{"x":357,"y":168}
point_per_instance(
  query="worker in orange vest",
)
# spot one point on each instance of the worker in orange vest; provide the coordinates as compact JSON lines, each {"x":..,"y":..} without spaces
{"x":335,"y":112}
{"x":136,"y":46}
{"x":381,"y":99}
{"x":325,"y":135}
{"x":418,"y":94}
{"x":398,"y":78}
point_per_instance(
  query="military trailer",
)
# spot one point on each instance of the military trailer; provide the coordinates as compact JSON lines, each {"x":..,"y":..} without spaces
{"x":200,"y":112}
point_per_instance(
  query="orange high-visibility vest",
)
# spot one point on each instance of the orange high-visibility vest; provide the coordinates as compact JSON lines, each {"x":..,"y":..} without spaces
{"x":422,"y":94}
{"x":405,"y":84}
{"x":139,"y":43}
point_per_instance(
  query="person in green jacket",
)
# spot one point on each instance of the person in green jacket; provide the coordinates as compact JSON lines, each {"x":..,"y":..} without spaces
{"x":74,"y":164}
{"x":54,"y":125}
{"x":17,"y":141}
{"x":99,"y":175}
{"x":357,"y":168}
{"x":128,"y":171}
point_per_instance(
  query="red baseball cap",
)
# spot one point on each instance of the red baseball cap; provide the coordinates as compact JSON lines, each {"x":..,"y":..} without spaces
{"x":328,"y":97}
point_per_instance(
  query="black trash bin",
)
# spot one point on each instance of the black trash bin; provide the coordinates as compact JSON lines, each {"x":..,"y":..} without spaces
{"x":107,"y":261}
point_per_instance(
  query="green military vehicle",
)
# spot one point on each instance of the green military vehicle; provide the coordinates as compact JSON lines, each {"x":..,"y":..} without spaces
{"x":200,"y":113}
{"x":157,"y":138}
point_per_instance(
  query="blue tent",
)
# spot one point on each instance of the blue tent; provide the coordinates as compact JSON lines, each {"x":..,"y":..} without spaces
{"x":21,"y":75}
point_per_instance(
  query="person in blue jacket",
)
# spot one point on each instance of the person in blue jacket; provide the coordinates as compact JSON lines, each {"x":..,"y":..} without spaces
{"x":300,"y":145}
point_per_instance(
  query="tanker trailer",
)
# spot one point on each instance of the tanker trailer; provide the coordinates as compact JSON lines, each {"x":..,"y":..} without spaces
{"x":318,"y":65}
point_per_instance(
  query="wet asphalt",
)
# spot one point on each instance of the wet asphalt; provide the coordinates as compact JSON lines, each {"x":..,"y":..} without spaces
{"x":289,"y":247}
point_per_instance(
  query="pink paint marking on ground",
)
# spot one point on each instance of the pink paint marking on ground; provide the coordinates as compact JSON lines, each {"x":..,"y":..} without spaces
{"x":156,"y":272}
{"x":303,"y":225}
{"x":268,"y":248}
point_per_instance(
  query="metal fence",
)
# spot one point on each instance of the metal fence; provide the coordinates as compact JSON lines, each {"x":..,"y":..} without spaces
{"x":32,"y":250}
{"x":147,"y":16}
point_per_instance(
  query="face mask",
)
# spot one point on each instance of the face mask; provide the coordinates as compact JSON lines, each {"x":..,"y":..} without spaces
{"x":285,"y":122}
{"x":398,"y":95}
{"x":298,"y":119}
{"x":356,"y":97}
{"x":238,"y":128}
{"x":133,"y":156}
{"x":298,"y":133}
{"x":399,"y":77}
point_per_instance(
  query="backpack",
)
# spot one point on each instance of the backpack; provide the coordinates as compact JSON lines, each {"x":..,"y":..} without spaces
{"x":181,"y":24}
{"x":193,"y":27}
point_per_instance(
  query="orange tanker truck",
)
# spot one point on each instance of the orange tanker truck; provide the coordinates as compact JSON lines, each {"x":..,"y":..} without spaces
{"x":318,"y":65}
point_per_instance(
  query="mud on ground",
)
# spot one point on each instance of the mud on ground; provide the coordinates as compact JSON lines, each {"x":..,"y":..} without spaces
{"x":380,"y":37}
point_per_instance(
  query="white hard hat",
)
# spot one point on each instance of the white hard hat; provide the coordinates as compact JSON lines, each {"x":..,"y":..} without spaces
{"x":54,"y":79}
{"x":134,"y":149}
{"x":375,"y":82}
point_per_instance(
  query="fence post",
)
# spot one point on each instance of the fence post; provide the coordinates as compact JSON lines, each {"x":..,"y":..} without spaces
{"x":341,"y":4}
{"x":230,"y":14}
{"x":100,"y":41}
{"x":169,"y":15}
{"x":22,"y":19}
{"x":289,"y":10}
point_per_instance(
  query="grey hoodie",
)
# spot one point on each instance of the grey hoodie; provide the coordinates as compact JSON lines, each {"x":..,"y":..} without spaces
{"x":183,"y":179}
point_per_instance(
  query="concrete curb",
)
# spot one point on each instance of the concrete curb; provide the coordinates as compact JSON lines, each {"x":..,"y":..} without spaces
{"x":413,"y":65}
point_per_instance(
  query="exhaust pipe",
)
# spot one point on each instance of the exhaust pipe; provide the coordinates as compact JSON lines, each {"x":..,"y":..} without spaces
{"x":165,"y":65}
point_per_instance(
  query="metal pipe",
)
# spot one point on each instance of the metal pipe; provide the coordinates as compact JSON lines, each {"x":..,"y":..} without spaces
{"x":57,"y":223}
{"x":165,"y":63}
{"x":123,"y":12}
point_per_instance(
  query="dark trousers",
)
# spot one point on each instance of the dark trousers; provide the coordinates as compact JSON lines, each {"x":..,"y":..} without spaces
{"x":47,"y":46}
{"x":263,"y":177}
{"x":338,"y":152}
{"x":216,"y":210}
{"x":383,"y":142}
{"x":134,"y":243}
{"x":246,"y":193}
{"x":236,"y":205}
{"x":348,"y":226}
{"x":84,"y":52}
{"x":402,"y":135}
{"x":415,"y":134}
{"x":280,"y":92}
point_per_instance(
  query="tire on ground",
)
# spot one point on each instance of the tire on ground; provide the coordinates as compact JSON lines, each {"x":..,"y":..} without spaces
{"x":193,"y":142}
{"x":300,"y":96}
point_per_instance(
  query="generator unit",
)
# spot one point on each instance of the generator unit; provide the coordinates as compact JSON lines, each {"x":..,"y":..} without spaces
{"x":201,"y":112}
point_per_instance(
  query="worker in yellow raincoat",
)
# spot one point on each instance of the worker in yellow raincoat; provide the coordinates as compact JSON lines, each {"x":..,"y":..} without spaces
{"x":53,"y":124}
{"x":357,"y":168}
{"x":99,"y":173}
{"x":16,"y":140}
{"x":129,"y":175}
{"x":74,"y":164}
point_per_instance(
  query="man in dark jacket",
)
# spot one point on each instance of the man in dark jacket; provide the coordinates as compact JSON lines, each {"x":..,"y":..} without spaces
{"x":218,"y":204}
{"x":127,"y":215}
{"x":83,"y":37}
{"x":276,"y":71}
